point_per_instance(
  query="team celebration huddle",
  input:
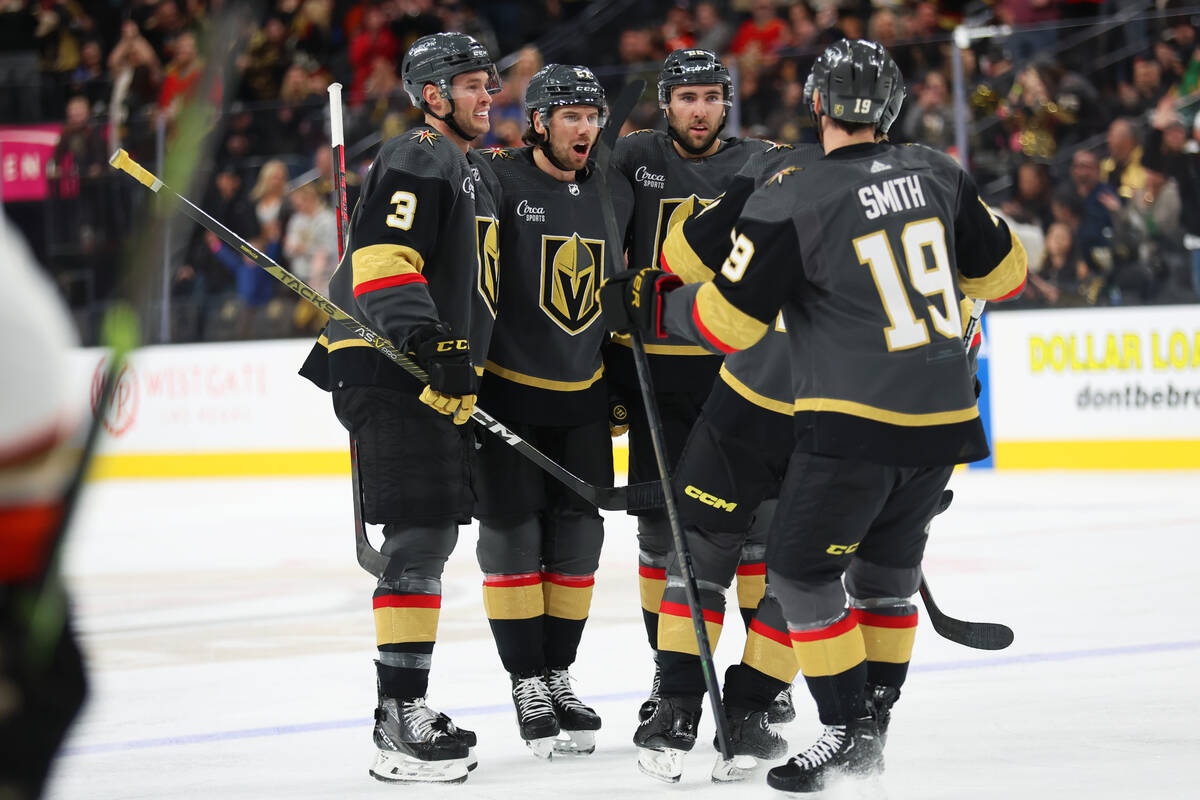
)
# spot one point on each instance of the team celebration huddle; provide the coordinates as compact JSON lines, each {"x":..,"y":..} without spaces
{"x":804,"y":315}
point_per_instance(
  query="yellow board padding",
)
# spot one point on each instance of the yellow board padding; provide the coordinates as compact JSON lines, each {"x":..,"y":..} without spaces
{"x":567,"y":602}
{"x":513,"y":602}
{"x":123,"y":466}
{"x":403,"y":625}
{"x":770,"y":657}
{"x":1129,"y":454}
{"x":830,"y":656}
{"x":750,"y":589}
{"x":889,"y":645}
{"x":677,"y":634}
{"x":652,"y":592}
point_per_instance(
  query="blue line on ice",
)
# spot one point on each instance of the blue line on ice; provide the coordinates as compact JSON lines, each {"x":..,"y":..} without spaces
{"x":283,"y":730}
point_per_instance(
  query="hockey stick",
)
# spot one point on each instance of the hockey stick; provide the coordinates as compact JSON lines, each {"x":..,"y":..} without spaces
{"x":604,"y":146}
{"x":980,"y":635}
{"x":611,"y":498}
{"x":369,"y":558}
{"x":46,"y":610}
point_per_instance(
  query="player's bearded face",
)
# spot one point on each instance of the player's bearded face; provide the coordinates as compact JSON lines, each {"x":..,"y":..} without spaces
{"x":572,"y":132}
{"x":695,"y":113}
{"x":472,"y":103}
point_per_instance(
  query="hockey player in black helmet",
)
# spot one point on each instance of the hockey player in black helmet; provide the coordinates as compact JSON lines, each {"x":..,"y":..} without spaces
{"x":672,"y":172}
{"x":539,"y":543}
{"x":866,"y":252}
{"x":419,"y":267}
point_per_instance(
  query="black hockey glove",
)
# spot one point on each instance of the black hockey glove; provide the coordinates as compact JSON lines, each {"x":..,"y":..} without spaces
{"x":632,"y":300}
{"x":447,"y":359}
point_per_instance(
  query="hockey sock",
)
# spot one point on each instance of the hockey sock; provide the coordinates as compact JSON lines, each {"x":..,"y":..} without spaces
{"x":678,"y":653}
{"x":751,"y":582}
{"x":832,"y":657}
{"x":768,"y":646}
{"x":652,"y":580}
{"x":515,"y":610}
{"x":888,"y":634}
{"x":406,"y":621}
{"x":568,"y":599}
{"x":747,"y":688}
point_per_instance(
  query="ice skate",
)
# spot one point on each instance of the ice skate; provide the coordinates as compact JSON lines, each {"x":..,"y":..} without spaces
{"x":666,"y":736}
{"x":880,"y":700}
{"x":535,"y":714}
{"x":751,"y":739}
{"x":646,"y":711}
{"x":414,"y":747}
{"x":852,"y":750}
{"x":781,"y":710}
{"x":577,"y":721}
{"x":463,"y":735}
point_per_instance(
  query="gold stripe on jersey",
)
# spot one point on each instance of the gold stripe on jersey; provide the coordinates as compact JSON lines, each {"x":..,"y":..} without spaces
{"x":664,"y":349}
{"x":1005,"y":278}
{"x":760,"y":400}
{"x":377,"y":261}
{"x":680,"y":258}
{"x":882,"y":414}
{"x":543,"y":383}
{"x":732,"y":328}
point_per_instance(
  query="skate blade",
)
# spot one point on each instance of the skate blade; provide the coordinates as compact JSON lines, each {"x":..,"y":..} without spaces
{"x":664,"y":765}
{"x":577,"y":743}
{"x":737,"y":768}
{"x":392,"y":767}
{"x":542,"y":748}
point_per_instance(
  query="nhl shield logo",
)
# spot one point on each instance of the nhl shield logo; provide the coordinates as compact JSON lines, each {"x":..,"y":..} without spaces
{"x":571,"y":269}
{"x":487,"y":248}
{"x":573,"y":188}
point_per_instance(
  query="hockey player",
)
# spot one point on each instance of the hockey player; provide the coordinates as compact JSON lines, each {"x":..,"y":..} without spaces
{"x":689,"y":164}
{"x":865,"y":251}
{"x":539,"y":543}
{"x":420,"y":268}
{"x":41,"y":671}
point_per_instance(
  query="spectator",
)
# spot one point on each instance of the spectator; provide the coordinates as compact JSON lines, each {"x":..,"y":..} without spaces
{"x":931,"y":120}
{"x":1030,"y":203}
{"x":182,"y":75}
{"x":75,"y":168}
{"x":265,"y":61}
{"x":90,"y":79}
{"x":137,"y":75}
{"x":268,"y":196}
{"x":1094,"y":232}
{"x":764,"y":28}
{"x":1062,"y":278}
{"x":1122,"y":169}
{"x":712,"y":32}
{"x":323,"y":164}
{"x":803,"y":33}
{"x":164,"y":27}
{"x":204,"y":280}
{"x":1147,"y":239}
{"x":676,"y":31}
{"x":375,"y":43}
{"x":1146,"y":90}
{"x":311,"y":248}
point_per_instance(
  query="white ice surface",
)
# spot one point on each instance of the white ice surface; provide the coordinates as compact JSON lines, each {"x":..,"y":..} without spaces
{"x":230,"y":639}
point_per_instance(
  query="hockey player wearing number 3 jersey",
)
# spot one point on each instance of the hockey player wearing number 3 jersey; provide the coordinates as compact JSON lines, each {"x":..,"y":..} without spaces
{"x":420,"y":268}
{"x":539,"y":543}
{"x":671,"y":172}
{"x":865,"y":251}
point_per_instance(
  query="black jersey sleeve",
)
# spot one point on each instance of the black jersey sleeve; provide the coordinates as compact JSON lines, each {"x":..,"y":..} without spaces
{"x":992,"y":262}
{"x":395,"y":230}
{"x":695,"y":249}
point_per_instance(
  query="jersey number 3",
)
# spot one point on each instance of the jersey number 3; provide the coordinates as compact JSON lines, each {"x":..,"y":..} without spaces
{"x":406,"y":207}
{"x":921,"y":242}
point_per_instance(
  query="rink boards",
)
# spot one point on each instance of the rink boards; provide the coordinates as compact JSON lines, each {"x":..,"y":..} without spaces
{"x":1072,"y":389}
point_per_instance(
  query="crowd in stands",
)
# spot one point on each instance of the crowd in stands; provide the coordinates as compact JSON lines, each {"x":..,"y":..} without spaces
{"x":1081,"y":122}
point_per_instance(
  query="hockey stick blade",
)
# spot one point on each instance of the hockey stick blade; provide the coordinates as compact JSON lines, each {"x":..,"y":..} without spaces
{"x":608,"y":498}
{"x":979,"y":635}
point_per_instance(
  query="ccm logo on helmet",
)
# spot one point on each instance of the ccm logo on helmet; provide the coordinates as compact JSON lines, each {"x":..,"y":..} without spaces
{"x":708,"y":499}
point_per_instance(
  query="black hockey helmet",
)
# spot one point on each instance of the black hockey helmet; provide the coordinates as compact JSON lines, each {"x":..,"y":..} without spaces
{"x":858,"y":82}
{"x":437,"y":58}
{"x":692,"y":66}
{"x":563,"y":85}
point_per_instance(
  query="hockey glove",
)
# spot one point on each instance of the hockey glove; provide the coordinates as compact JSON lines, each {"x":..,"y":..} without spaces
{"x":447,"y":359}
{"x":633,"y":300}
{"x":618,"y":417}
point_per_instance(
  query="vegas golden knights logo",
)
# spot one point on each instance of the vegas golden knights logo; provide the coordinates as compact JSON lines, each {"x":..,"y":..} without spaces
{"x":487,"y":247}
{"x":672,"y":211}
{"x":571,"y":271}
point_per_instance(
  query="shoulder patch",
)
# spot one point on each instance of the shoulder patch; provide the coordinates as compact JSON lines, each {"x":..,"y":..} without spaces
{"x":496,"y":151}
{"x":778,"y":146}
{"x":640,"y":130}
{"x":778,"y":176}
{"x":426,"y":137}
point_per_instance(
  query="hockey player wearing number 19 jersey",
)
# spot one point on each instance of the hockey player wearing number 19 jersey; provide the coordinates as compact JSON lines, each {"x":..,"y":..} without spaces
{"x":539,"y":542}
{"x":670,"y":172}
